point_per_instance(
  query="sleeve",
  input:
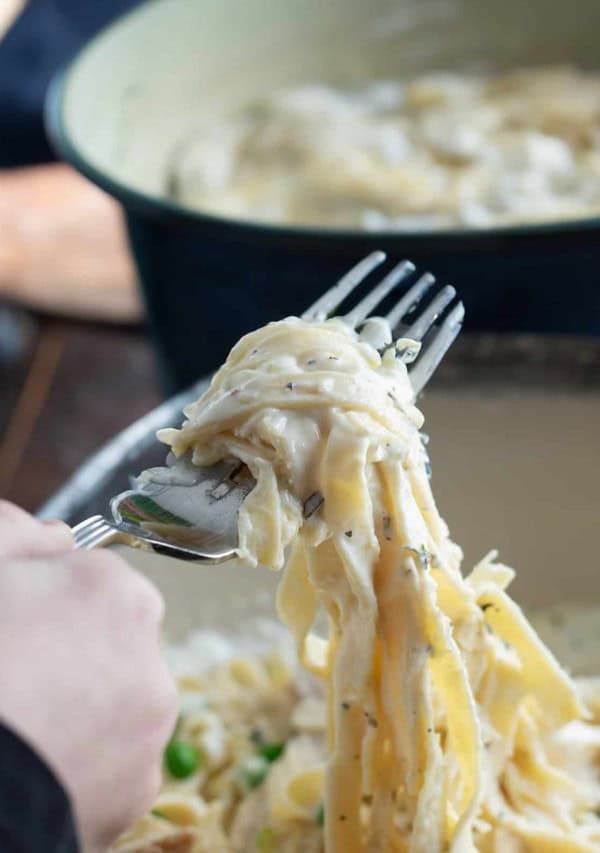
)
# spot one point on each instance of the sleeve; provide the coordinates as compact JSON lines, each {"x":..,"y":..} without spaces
{"x":35,"y":813}
{"x":43,"y":38}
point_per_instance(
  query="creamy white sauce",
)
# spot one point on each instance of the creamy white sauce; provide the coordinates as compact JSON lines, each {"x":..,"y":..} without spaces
{"x":440,"y":150}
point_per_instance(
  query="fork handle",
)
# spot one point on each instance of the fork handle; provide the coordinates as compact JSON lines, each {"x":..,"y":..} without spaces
{"x":95,"y":532}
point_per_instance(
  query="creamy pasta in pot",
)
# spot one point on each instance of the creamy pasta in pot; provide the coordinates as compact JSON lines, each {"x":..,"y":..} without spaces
{"x":429,"y":716}
{"x":442,"y":150}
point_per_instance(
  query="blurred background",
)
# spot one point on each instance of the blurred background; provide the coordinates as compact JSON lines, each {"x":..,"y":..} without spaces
{"x":75,"y":365}
{"x":142,"y":231}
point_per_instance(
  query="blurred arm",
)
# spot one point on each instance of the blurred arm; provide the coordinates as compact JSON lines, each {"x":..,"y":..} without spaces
{"x":62,"y":245}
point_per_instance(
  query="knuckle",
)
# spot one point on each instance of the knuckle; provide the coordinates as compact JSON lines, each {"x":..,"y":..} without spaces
{"x":99,"y":563}
{"x":135,"y":597}
{"x":99,"y":572}
{"x":58,"y":530}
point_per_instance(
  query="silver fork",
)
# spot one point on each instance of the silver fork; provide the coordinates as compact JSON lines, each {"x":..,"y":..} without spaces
{"x":189,"y":512}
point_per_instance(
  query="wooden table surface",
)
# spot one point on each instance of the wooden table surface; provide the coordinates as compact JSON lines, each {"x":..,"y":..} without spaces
{"x":66,"y":386}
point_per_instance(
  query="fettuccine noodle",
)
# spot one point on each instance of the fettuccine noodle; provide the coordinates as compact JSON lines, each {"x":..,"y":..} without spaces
{"x":450,"y":726}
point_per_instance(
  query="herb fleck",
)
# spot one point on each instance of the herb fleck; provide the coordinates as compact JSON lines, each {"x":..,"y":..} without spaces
{"x":333,"y":358}
{"x":485,"y":606}
{"x":312,"y":504}
{"x":371,"y":719}
{"x":387,"y":527}
{"x":271,"y":751}
{"x":311,"y":361}
{"x":421,"y":553}
{"x":346,"y":706}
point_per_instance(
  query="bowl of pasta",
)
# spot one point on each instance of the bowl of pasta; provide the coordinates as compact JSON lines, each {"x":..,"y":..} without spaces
{"x":267,"y":146}
{"x":373,"y":675}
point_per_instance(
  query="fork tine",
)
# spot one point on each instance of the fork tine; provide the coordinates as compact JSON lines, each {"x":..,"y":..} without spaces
{"x":361,"y":311}
{"x":427,"y":318}
{"x":332,"y":298}
{"x":82,"y":530}
{"x":410,"y":299}
{"x":435,"y":347}
{"x":90,"y":534}
{"x":94,"y":539}
{"x":93,"y":532}
{"x":84,"y":543}
{"x":82,"y":525}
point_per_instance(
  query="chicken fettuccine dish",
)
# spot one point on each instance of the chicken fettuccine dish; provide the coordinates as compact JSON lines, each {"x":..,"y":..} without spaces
{"x":449,"y":725}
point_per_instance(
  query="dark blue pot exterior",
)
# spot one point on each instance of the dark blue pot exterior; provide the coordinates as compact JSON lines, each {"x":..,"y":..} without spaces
{"x":206,"y":285}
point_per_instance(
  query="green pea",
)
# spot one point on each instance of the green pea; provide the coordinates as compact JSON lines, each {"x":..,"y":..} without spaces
{"x":181,"y":759}
{"x":320,"y":815}
{"x":265,"y":839}
{"x":253,"y":771}
{"x":271,"y":751}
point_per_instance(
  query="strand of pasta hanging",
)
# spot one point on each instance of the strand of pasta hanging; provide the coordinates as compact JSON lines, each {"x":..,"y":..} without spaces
{"x":450,"y":726}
